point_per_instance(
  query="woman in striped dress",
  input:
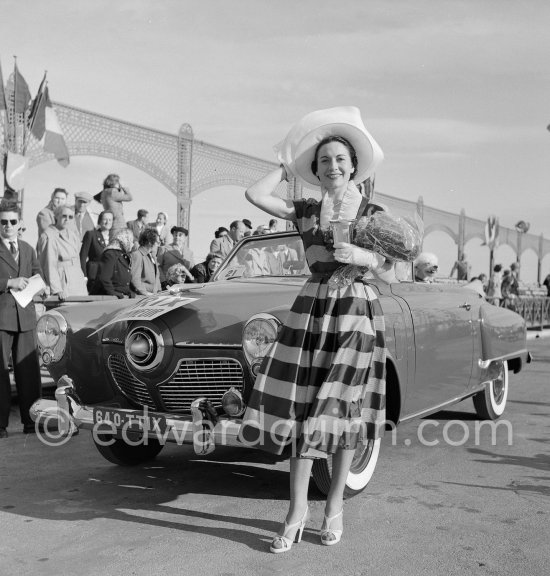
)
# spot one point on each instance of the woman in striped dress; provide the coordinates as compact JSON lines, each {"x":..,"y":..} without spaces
{"x":321,"y":388}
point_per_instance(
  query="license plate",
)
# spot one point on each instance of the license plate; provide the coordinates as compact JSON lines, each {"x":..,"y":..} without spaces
{"x":130,"y":420}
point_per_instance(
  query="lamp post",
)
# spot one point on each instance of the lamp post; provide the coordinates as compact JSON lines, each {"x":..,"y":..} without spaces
{"x":491,"y":240}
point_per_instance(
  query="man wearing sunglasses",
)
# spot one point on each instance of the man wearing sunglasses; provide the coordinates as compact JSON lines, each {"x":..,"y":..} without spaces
{"x":18,"y":262}
{"x":425,"y":267}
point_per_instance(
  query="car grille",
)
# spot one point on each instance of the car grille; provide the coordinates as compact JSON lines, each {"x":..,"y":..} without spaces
{"x":201,"y":377}
{"x":128,"y":383}
{"x":197,"y":377}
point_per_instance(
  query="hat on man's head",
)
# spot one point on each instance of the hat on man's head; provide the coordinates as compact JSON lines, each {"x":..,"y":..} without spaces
{"x":176,"y":229}
{"x":297,"y":150}
{"x":86,"y":196}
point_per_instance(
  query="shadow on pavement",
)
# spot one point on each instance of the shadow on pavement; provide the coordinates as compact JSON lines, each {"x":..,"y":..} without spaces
{"x":175,"y":490}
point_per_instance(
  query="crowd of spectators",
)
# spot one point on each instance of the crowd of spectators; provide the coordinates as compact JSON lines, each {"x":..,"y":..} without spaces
{"x":120,"y":257}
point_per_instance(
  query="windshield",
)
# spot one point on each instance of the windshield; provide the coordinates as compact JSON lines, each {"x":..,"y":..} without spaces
{"x":267,"y":255}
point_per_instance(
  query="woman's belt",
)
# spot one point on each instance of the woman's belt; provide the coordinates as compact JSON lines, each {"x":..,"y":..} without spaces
{"x":69,"y":262}
{"x":342,"y":276}
{"x":323,"y":275}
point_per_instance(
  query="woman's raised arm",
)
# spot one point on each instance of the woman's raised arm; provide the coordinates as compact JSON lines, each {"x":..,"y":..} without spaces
{"x":262,"y":194}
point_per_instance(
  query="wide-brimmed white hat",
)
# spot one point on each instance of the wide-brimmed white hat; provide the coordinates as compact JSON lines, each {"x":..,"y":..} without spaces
{"x":296,"y":151}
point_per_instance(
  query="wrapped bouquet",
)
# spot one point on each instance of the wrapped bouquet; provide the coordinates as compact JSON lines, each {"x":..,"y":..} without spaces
{"x":387,"y":237}
{"x":393,"y":237}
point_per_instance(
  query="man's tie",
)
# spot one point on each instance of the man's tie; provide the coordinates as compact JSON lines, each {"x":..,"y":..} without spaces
{"x":14,"y":251}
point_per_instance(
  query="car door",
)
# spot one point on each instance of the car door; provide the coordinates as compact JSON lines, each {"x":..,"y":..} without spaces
{"x":442,"y":317}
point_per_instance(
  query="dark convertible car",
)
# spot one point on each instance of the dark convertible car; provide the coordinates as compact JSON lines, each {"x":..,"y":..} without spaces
{"x":178,"y":367}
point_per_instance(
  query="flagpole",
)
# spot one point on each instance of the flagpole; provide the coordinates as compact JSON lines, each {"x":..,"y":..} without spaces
{"x":11,"y":108}
{"x":15,"y":103}
{"x":3,"y":117}
{"x":4,"y":107}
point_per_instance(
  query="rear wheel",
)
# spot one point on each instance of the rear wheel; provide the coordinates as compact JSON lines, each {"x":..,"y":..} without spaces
{"x":119,"y":452}
{"x":491,"y":402}
{"x":361,"y":470}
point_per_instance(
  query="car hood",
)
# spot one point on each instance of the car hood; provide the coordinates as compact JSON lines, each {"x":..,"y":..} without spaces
{"x":214,"y":316}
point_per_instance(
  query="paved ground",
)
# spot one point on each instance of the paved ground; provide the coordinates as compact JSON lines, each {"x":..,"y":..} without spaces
{"x":538,"y":334}
{"x":474,"y":508}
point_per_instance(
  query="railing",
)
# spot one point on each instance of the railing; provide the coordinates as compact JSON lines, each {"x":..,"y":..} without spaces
{"x":535,"y":310}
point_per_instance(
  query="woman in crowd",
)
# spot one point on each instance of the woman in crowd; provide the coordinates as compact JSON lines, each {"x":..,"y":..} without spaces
{"x":221,"y":232}
{"x":176,"y":253}
{"x":112,"y":196}
{"x":161,"y":226}
{"x":115,"y":274}
{"x":509,"y":289}
{"x":203,"y":271}
{"x":177,"y":274}
{"x":494,"y":292}
{"x":46,"y":218}
{"x":59,"y":255}
{"x":323,"y":381}
{"x":145,"y":269}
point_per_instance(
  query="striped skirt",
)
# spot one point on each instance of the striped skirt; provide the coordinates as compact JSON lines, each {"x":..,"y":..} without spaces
{"x":322,"y":386}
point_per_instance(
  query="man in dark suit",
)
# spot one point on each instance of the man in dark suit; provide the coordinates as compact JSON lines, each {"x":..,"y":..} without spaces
{"x":93,"y":244}
{"x":18,"y":262}
{"x":175,"y":253}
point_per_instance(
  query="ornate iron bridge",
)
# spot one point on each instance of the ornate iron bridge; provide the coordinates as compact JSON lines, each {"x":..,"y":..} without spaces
{"x":187,"y":166}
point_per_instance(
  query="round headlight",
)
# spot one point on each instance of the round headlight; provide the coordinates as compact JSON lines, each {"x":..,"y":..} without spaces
{"x":144,"y":347}
{"x":51,"y":333}
{"x":259,"y":334}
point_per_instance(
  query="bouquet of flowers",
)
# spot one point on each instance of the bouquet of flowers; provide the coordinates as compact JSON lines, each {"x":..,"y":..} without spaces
{"x":390,"y":236}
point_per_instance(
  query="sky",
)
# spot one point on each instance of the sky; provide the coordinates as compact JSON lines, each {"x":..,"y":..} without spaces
{"x":455,"y":92}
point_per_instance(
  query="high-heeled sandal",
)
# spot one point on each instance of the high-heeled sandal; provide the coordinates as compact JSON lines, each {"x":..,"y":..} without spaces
{"x":284,"y":543}
{"x":330,"y":536}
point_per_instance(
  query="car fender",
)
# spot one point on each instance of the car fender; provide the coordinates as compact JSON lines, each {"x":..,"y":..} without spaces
{"x":503,"y":334}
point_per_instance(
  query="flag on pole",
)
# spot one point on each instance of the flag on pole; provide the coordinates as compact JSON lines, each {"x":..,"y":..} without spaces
{"x":37,"y":115}
{"x":53,"y":135}
{"x":22,"y":94}
{"x":491,"y":232}
{"x":16,"y":168}
{"x":18,"y":97}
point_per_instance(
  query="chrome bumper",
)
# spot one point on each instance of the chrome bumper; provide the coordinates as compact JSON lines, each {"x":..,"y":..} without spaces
{"x":71,"y":415}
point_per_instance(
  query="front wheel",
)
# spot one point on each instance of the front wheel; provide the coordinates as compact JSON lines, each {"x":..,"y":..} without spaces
{"x":490,"y":403}
{"x":360,"y":473}
{"x":119,"y":452}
